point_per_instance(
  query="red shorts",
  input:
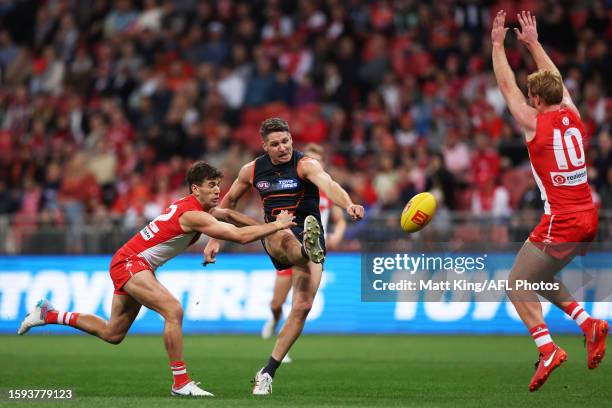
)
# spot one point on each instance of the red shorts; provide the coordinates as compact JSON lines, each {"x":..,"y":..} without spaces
{"x":284,"y":272}
{"x":566,"y":235}
{"x":124,"y":267}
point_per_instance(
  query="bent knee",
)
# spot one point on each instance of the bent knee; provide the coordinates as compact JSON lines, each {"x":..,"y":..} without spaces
{"x":276,"y":305}
{"x":173,"y":312}
{"x":113,"y":338}
{"x":302,"y":308}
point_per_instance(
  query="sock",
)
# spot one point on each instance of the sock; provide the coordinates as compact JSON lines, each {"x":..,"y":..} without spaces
{"x":542,"y":339}
{"x":179,"y":372}
{"x":271,"y":367}
{"x":65,"y":318}
{"x":580,"y":316}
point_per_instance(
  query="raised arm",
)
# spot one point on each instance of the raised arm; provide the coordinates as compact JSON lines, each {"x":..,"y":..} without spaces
{"x":311,"y":170}
{"x":528,"y":35}
{"x":524,"y":114}
{"x":209,"y":225}
{"x":239,"y":187}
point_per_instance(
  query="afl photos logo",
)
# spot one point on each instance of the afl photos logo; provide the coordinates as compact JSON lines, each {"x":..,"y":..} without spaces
{"x":263,"y":185}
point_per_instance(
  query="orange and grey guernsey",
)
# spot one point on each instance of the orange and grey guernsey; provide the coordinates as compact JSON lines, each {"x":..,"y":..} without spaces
{"x":281,"y":187}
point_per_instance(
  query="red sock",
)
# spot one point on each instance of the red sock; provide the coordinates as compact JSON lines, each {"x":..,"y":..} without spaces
{"x":580,"y":316}
{"x":66,"y":318}
{"x":179,"y":371}
{"x":542,"y":339}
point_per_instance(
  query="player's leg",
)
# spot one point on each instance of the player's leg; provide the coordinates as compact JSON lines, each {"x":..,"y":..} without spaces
{"x":288,"y":250}
{"x":124,"y":310}
{"x":595,"y":330}
{"x":305,"y":285}
{"x":285,"y":247}
{"x":282,"y":286}
{"x":146,"y":289}
{"x":528,"y":266}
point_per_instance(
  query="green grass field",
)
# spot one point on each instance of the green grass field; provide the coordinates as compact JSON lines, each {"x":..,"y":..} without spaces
{"x":419,"y":371}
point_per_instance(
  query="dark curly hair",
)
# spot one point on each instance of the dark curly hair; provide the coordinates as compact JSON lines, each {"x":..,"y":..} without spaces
{"x":201,"y":171}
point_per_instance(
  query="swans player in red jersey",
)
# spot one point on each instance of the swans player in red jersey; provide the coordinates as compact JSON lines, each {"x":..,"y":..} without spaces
{"x":282,"y":282}
{"x":133,"y":266}
{"x":555,"y":135}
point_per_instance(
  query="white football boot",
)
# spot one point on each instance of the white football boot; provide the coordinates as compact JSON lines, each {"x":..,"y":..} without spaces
{"x":36,"y":317}
{"x":269,"y":328}
{"x":311,"y":243}
{"x":190,"y":389}
{"x":262,"y":384}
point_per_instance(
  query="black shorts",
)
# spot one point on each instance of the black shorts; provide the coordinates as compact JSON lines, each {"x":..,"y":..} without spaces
{"x":297,"y":231}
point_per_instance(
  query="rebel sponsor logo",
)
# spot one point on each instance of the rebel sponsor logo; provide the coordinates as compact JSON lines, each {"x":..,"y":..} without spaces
{"x":263,"y":185}
{"x":420,"y":218}
{"x":569,"y":178}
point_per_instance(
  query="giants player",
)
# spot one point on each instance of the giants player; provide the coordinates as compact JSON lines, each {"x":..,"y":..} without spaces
{"x":282,"y":283}
{"x":555,"y":136}
{"x":133,"y":268}
{"x":288,"y":180}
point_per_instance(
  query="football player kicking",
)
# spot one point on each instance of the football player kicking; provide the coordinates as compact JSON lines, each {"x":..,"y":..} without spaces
{"x":554,"y":136}
{"x":288,"y":180}
{"x":282,"y":282}
{"x":133,"y":266}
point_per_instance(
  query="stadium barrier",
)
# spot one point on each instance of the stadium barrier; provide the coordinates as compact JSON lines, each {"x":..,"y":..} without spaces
{"x":232,"y":296}
{"x":32,"y":234}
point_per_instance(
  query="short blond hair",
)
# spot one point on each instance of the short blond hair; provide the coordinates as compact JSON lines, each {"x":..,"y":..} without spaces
{"x":548,"y":85}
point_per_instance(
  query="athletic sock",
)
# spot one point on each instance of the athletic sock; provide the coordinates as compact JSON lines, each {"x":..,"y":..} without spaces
{"x":580,"y":316}
{"x":65,"y":318}
{"x":542,"y":339}
{"x":271,"y":367}
{"x":179,"y":372}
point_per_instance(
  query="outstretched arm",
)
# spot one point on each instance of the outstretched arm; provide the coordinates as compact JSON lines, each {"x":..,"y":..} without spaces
{"x":528,"y":35}
{"x":209,"y":225}
{"x":524,"y":114}
{"x":311,"y":170}
{"x":233,"y":217}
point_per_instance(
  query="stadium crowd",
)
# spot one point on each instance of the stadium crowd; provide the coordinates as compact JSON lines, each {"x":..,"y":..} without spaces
{"x":104,"y":104}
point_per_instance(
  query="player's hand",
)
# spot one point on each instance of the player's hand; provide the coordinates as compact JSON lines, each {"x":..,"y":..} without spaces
{"x":210,"y":251}
{"x":498,"y":32}
{"x":528,"y":34}
{"x":286,"y":219}
{"x":355,"y":211}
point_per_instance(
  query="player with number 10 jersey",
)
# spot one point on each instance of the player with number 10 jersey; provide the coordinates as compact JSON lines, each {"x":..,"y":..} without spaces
{"x":559,"y":167}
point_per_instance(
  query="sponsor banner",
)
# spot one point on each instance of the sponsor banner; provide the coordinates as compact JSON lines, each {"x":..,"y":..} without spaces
{"x":233,"y":296}
{"x":569,"y":178}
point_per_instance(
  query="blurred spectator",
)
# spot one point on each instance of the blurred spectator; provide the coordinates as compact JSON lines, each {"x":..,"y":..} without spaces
{"x":401,"y":93}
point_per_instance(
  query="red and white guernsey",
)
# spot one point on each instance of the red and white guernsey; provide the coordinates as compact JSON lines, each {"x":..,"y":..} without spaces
{"x":163,"y":238}
{"x":558,"y":162}
{"x":325,"y":205}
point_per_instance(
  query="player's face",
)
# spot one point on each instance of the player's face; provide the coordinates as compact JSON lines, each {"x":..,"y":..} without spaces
{"x":279,"y":147}
{"x":208,"y":193}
